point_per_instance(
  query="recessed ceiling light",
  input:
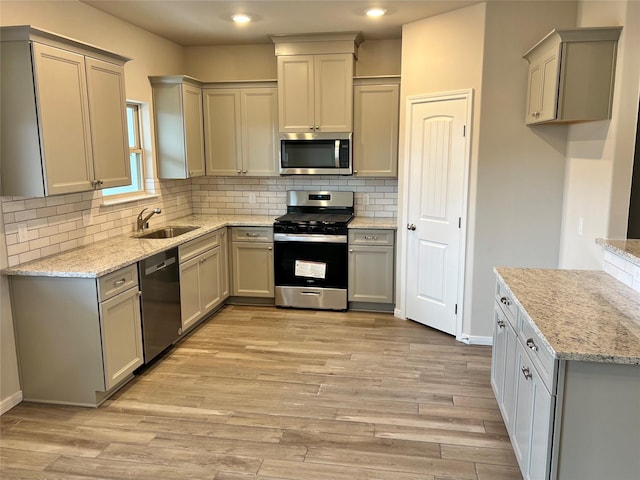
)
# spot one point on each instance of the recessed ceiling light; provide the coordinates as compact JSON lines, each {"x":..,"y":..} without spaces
{"x":375,"y":12}
{"x":241,"y":18}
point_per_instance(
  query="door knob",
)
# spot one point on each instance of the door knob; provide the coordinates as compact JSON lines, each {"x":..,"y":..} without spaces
{"x":411,"y":226}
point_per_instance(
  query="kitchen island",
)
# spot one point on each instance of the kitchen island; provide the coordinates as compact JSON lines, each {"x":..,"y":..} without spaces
{"x":566,"y":372}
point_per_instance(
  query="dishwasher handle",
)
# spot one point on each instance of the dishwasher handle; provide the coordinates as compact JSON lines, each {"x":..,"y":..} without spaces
{"x":159,"y":266}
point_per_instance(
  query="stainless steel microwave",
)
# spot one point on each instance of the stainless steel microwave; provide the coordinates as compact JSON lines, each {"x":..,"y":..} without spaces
{"x":316,"y":154}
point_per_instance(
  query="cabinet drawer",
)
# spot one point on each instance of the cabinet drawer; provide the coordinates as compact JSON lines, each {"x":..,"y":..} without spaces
{"x":115,"y":282}
{"x":371,"y":237}
{"x":538,"y":352}
{"x":503,"y":297}
{"x":252,"y":234}
{"x":199,"y":245}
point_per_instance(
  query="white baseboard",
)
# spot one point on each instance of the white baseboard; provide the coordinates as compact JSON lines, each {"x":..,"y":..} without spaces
{"x":476,"y":340}
{"x":10,"y":402}
{"x":398,"y":314}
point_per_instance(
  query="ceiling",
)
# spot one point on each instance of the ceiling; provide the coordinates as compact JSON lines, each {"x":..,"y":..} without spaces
{"x":193,"y":23}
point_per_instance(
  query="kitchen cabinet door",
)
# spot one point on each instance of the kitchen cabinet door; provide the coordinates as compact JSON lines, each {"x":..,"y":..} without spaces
{"x":63,"y":115}
{"x":296,"y":101}
{"x":252,"y":269}
{"x":121,"y":336}
{"x":375,"y":130}
{"x":222,"y":125}
{"x":194,"y":134}
{"x":210,"y":273}
{"x":190,"y":288}
{"x":259,"y":131}
{"x":503,"y":368}
{"x":105,"y":84}
{"x":371,"y":274}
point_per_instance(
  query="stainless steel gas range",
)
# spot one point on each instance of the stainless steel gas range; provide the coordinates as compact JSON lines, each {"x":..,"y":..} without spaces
{"x":310,"y":243}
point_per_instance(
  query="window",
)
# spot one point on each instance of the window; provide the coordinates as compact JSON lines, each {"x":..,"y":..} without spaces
{"x":135,"y":156}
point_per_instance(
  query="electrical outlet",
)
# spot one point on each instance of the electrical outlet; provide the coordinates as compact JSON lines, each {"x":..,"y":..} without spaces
{"x":365,"y":199}
{"x":23,"y":235}
{"x":87,"y":219}
{"x":252,"y":197}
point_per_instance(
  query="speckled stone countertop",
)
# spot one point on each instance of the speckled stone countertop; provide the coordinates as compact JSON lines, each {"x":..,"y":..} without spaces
{"x":581,"y":315}
{"x":629,"y":249}
{"x":109,"y":255}
{"x":369,"y":222}
{"x":104,"y":257}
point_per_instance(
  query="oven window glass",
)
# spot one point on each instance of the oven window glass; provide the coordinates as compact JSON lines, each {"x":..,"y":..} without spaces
{"x":310,"y":264}
{"x":308,"y":154}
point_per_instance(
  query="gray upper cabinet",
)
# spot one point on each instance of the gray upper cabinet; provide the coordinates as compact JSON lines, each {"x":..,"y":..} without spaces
{"x":376,"y":105}
{"x":177,"y":112}
{"x":64,"y":126}
{"x":571,"y":75}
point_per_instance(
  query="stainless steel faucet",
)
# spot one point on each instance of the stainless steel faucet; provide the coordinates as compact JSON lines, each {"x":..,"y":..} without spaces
{"x":143,"y":223}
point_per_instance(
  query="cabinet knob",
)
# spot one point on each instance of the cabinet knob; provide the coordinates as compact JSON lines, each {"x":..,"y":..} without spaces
{"x":317,"y":127}
{"x":269,"y":248}
{"x":505,"y":301}
{"x":351,"y":250}
{"x":500,"y":323}
{"x":531,"y":344}
{"x":355,"y":172}
{"x":244,"y":171}
{"x":411,"y":226}
{"x":526,"y":372}
{"x":310,"y":127}
{"x":239,"y":172}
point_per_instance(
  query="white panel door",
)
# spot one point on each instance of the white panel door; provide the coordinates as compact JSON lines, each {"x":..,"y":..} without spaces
{"x":436,"y":193}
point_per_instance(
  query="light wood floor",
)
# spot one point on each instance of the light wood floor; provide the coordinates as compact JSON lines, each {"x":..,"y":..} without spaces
{"x":271,"y":394}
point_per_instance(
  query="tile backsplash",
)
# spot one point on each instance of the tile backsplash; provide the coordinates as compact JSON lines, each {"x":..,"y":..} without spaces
{"x":39,"y":227}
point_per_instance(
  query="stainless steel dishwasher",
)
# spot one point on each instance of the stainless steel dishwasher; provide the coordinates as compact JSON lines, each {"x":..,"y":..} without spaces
{"x":160,"y":285}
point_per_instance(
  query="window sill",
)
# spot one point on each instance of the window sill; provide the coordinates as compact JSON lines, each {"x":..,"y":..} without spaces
{"x":106,"y":202}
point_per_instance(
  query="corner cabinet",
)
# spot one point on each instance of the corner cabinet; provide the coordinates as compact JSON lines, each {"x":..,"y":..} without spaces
{"x":241,"y":130}
{"x":376,"y":105}
{"x":81,"y":340}
{"x":252,"y":262}
{"x":571,"y":75}
{"x":64,"y":125}
{"x":371,"y":268}
{"x":177,"y":113}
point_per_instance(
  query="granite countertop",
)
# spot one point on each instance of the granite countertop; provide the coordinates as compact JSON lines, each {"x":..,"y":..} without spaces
{"x":104,"y":257}
{"x":582,"y":315}
{"x":629,"y":249}
{"x":370,"y":222}
{"x":109,"y":255}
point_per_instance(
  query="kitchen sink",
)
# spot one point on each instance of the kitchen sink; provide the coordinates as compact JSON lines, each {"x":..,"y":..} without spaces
{"x":167,"y":232}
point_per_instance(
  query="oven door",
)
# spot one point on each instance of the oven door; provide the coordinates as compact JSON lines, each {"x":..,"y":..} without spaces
{"x":311,"y":271}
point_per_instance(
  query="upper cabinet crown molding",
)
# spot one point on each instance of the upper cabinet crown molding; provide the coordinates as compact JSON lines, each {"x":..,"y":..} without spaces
{"x":317,"y":43}
{"x":571,"y":75}
{"x":63,"y":116}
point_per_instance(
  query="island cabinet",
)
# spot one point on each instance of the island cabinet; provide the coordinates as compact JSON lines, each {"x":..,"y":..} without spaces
{"x":78,"y":339}
{"x":203,"y":277}
{"x":241,"y":130}
{"x":371,"y":268}
{"x":568,"y":417}
{"x":571,"y":75}
{"x":177,"y":113}
{"x":376,"y":105}
{"x":252,"y":262}
{"x":63,"y":125}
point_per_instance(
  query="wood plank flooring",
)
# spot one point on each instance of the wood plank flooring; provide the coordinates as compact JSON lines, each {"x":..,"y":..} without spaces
{"x":259,"y":393}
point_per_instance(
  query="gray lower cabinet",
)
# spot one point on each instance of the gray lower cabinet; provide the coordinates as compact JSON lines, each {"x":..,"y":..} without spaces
{"x":203,"y":277}
{"x":566,"y":419}
{"x":78,"y":339}
{"x":252,"y":262}
{"x":371,"y":266}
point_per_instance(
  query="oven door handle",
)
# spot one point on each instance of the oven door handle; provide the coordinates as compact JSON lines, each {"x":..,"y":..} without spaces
{"x":306,"y":292}
{"x":309,"y":237}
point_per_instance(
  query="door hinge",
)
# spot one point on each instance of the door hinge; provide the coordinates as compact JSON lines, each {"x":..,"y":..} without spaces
{"x":464,"y":130}
{"x":456,"y":309}
{"x":459,"y":222}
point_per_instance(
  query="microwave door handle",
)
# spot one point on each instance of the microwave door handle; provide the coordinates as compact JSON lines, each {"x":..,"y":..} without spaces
{"x":337,"y":153}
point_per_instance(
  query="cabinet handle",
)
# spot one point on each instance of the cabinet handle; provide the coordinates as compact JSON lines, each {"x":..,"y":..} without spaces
{"x":139,"y":294}
{"x":526,"y":372}
{"x":411,"y":226}
{"x":202,"y":260}
{"x":370,"y":237}
{"x":117,"y":283}
{"x":253,"y":235}
{"x":505,"y":301}
{"x":531,"y":344}
{"x":500,"y":323}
